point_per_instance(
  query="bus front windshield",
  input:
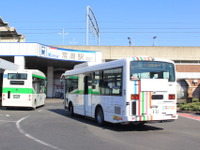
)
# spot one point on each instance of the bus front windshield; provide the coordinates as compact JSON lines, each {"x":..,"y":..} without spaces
{"x":152,"y":70}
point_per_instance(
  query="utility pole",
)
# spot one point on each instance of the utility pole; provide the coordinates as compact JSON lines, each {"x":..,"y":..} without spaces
{"x":91,"y":23}
{"x":73,"y":42}
{"x":63,"y":33}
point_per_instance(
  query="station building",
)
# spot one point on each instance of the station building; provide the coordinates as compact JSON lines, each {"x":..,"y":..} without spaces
{"x":187,"y":60}
{"x":56,"y":59}
{"x":53,"y":61}
{"x":50,"y":60}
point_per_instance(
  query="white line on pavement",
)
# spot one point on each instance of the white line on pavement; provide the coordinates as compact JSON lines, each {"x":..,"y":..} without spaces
{"x":31,"y":137}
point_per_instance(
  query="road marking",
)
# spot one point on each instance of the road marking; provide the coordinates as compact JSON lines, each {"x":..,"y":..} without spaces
{"x":5,"y":115}
{"x":31,"y":137}
{"x":190,"y":116}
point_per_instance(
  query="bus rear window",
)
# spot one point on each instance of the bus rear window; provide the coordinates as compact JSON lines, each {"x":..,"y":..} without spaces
{"x":152,"y":70}
{"x":22,"y":76}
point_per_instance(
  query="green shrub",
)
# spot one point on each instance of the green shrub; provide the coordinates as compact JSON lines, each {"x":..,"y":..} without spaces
{"x":195,"y":100}
{"x":181,"y":102}
{"x":194,"y":106}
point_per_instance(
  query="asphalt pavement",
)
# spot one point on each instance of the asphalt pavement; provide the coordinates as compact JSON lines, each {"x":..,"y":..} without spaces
{"x":51,"y":128}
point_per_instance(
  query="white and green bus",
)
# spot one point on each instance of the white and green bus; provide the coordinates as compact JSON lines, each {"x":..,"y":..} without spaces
{"x":23,"y":88}
{"x":137,"y":90}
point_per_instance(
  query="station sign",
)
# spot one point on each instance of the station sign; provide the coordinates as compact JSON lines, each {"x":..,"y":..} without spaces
{"x":67,"y":54}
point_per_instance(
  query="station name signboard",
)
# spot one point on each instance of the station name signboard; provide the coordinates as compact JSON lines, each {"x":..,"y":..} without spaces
{"x":67,"y":54}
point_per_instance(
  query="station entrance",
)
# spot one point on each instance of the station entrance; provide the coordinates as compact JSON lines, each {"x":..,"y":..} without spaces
{"x":52,"y":61}
{"x":53,"y":69}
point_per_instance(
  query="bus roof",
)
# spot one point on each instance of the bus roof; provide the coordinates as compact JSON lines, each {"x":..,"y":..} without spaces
{"x":91,"y":66}
{"x":94,"y":67}
{"x":32,"y":71}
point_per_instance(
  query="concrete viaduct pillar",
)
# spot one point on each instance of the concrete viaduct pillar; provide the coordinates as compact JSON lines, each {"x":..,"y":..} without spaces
{"x":20,"y":61}
{"x":50,"y":79}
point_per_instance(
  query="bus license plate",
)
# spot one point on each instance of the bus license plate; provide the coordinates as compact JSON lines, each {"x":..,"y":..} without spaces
{"x":16,"y":96}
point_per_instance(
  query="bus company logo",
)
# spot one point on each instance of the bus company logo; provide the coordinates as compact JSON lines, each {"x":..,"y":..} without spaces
{"x":43,"y":51}
{"x":168,"y":107}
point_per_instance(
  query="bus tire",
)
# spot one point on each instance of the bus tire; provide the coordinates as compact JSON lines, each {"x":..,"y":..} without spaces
{"x":71,"y":110}
{"x":99,"y":116}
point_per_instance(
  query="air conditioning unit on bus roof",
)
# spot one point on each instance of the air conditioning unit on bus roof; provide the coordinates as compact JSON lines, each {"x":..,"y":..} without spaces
{"x":87,"y":64}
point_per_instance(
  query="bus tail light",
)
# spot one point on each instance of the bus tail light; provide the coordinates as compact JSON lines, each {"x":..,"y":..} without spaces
{"x":171,"y":96}
{"x":29,"y":97}
{"x":135,"y":96}
{"x":3,"y":96}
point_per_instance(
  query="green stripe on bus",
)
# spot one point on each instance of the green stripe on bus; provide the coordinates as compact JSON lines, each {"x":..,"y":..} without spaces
{"x":37,"y":76}
{"x":78,"y":92}
{"x":143,"y":105}
{"x":73,"y":77}
{"x":82,"y":92}
{"x":18,"y":90}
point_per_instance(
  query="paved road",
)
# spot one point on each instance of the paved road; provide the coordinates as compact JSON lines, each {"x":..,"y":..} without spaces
{"x":50,"y":128}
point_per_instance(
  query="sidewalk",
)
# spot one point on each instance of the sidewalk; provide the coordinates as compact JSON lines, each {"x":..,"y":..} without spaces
{"x":195,"y":116}
{"x":54,"y":100}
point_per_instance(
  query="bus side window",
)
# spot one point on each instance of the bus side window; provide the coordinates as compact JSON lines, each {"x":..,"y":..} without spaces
{"x":71,"y":85}
{"x":96,"y":82}
{"x":34,"y":84}
{"x":42,"y":86}
{"x":111,"y":82}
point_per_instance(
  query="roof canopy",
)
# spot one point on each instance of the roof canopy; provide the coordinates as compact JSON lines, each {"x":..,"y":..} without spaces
{"x":9,"y":34}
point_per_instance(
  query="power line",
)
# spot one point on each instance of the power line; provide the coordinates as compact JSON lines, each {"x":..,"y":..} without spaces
{"x":121,"y":32}
{"x":113,"y":28}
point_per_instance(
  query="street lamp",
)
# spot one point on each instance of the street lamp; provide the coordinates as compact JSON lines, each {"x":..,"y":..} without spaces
{"x":129,"y":41}
{"x":154,"y":37}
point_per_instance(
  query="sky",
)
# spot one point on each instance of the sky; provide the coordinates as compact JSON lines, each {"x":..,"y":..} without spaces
{"x":145,"y":22}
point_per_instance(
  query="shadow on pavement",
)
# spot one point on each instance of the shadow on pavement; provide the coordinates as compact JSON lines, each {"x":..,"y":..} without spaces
{"x":197,"y":114}
{"x":16,"y":109}
{"x":110,"y":126}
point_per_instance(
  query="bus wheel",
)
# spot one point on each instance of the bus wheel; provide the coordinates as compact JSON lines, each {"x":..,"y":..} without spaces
{"x":99,"y":116}
{"x":71,"y":110}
